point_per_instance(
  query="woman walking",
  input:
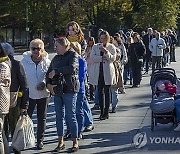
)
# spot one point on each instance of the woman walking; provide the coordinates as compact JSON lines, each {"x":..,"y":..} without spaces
{"x":136,"y":52}
{"x":36,"y":64}
{"x":102,"y":71}
{"x":62,"y":82}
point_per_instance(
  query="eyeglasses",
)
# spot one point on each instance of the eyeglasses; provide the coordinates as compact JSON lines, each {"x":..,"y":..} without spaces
{"x":34,"y":48}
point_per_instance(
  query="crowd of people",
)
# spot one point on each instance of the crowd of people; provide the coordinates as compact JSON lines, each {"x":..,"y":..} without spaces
{"x":80,"y":71}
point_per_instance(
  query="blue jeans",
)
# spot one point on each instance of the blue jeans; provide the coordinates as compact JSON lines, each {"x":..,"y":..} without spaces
{"x":114,"y":96}
{"x":88,"y":118}
{"x":127,"y":72}
{"x":177,"y":107}
{"x":81,"y":98}
{"x":83,"y":113}
{"x":66,"y":104}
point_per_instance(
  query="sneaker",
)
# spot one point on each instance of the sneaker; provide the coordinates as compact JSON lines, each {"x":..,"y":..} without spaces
{"x":177,"y":129}
{"x":95,"y":107}
{"x":123,"y":91}
{"x":67,"y":135}
{"x":89,"y":128}
{"x":40,"y":146}
{"x":131,"y":83}
{"x":113,"y":109}
{"x":80,"y":136}
{"x":135,"y":86}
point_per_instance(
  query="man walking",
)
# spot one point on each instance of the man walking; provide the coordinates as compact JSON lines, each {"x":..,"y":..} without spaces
{"x":146,"y":40}
{"x":156,"y":47}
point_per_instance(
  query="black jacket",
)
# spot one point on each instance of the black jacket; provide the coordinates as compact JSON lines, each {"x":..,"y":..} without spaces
{"x":136,"y":51}
{"x":146,"y":40}
{"x":19,"y":82}
{"x":68,"y":66}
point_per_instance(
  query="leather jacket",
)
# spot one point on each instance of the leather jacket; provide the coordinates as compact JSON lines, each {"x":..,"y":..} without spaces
{"x":65,"y":65}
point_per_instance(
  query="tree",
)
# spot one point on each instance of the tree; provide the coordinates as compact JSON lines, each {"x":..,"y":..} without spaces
{"x":159,"y":14}
{"x":107,"y":14}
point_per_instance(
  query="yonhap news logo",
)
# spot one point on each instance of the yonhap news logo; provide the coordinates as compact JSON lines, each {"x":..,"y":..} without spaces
{"x":140,"y":140}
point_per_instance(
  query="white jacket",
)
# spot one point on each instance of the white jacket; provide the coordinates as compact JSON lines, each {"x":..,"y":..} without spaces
{"x":157,"y":46}
{"x":35,"y":74}
{"x":108,"y":66}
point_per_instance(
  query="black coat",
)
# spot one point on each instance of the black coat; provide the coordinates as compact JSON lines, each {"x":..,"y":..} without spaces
{"x":19,"y":82}
{"x":68,"y":66}
{"x":146,"y":40}
{"x":136,"y":51}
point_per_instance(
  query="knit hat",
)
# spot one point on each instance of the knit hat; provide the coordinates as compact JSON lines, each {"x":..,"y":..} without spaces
{"x":8,"y":48}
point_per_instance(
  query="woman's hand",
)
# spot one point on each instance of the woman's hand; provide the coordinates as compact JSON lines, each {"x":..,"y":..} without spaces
{"x":155,"y":96}
{"x":52,"y":74}
{"x":50,"y":88}
{"x":103,"y":49}
{"x":41,"y":86}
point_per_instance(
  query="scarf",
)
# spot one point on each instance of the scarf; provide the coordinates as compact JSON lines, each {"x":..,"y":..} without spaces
{"x":2,"y":59}
{"x":74,"y":38}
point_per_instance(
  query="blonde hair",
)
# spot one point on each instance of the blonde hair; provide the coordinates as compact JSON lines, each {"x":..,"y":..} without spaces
{"x":63,"y":41}
{"x":106,"y":34}
{"x":76,"y":46}
{"x":38,"y":41}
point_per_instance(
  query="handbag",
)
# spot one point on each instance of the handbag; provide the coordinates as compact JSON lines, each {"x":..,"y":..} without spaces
{"x":60,"y":82}
{"x":23,"y":137}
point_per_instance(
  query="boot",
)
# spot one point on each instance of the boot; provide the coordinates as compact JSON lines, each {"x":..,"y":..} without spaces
{"x":102,"y":113}
{"x":105,"y":115}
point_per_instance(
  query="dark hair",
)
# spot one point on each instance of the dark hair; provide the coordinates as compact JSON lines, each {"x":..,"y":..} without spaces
{"x":76,"y":28}
{"x":2,"y":52}
{"x":118,"y":39}
{"x":137,"y":36}
{"x":91,"y":39}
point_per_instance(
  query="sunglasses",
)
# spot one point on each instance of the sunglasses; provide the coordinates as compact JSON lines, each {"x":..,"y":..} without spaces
{"x":34,"y":48}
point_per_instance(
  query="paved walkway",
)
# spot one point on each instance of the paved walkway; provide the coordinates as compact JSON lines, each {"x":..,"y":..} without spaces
{"x":116,"y":134}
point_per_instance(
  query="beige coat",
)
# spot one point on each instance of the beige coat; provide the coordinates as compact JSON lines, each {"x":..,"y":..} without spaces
{"x":108,"y":66}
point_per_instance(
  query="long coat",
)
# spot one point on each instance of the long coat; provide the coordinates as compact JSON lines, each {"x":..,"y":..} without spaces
{"x":5,"y":82}
{"x":108,"y":66}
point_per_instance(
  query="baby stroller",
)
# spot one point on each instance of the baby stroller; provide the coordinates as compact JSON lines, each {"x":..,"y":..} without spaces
{"x":163,"y":107}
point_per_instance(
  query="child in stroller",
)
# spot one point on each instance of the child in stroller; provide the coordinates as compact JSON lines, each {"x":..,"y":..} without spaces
{"x":165,"y":89}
